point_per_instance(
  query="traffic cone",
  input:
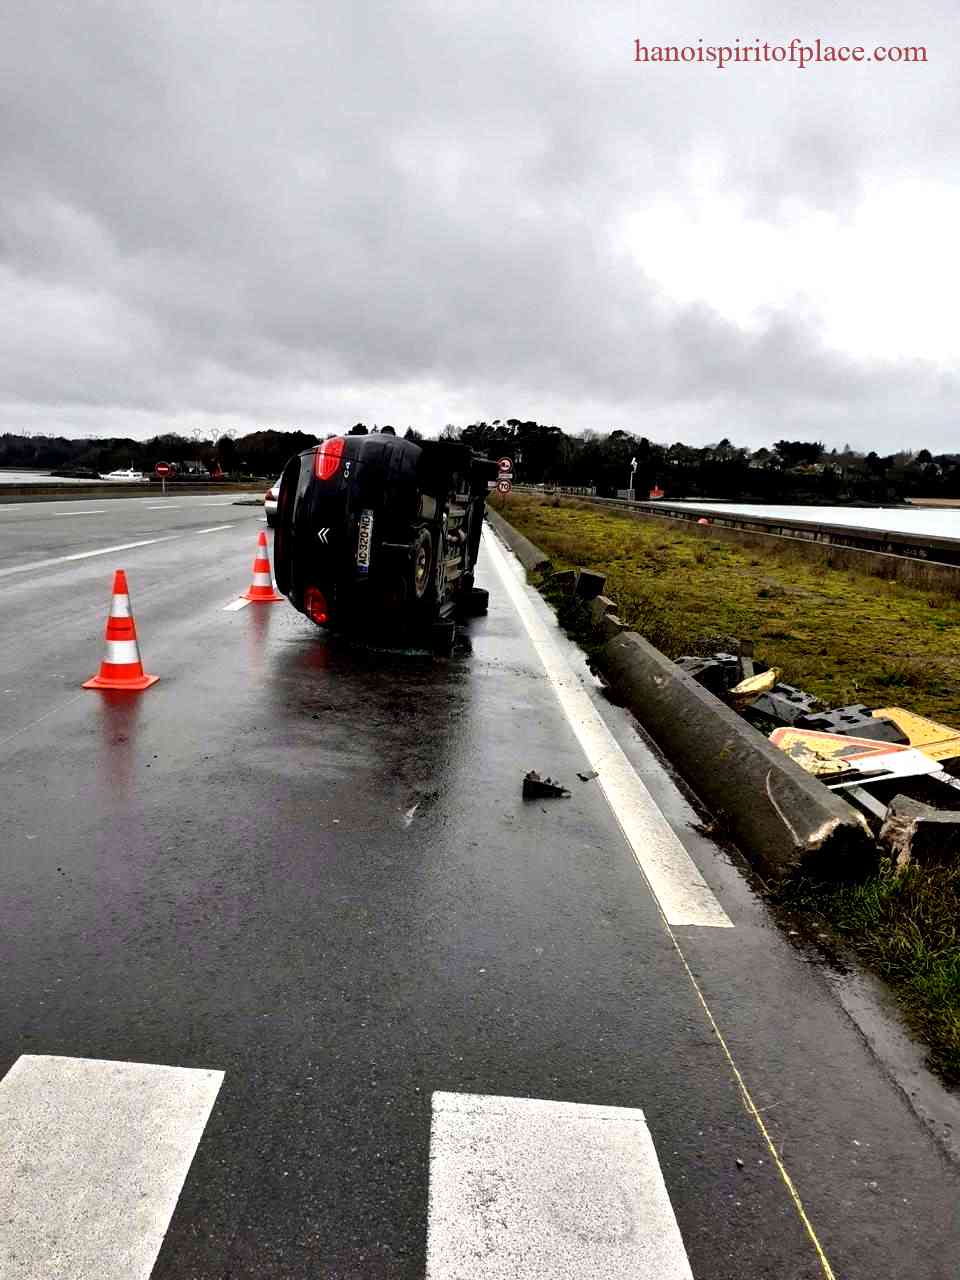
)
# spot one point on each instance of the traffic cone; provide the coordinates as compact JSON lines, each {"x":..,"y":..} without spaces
{"x":261,"y":590}
{"x":121,"y":667}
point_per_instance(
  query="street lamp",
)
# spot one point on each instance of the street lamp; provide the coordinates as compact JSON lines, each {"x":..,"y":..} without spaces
{"x":633,"y":472}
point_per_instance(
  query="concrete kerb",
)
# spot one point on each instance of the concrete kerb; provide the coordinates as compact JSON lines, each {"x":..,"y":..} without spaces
{"x":781,"y":816}
{"x":531,"y":557}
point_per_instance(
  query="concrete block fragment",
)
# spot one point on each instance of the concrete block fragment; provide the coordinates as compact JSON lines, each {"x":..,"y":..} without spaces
{"x":855,"y":720}
{"x":916,"y":832}
{"x":611,"y":625}
{"x":601,"y":605}
{"x":589,"y":584}
{"x":565,"y":580}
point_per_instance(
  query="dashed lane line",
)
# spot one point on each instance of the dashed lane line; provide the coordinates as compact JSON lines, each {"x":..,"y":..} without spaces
{"x":93,"y":1157}
{"x":164,"y":506}
{"x":105,"y":551}
{"x":523,"y":1188}
{"x":684,"y":896}
{"x":67,"y":514}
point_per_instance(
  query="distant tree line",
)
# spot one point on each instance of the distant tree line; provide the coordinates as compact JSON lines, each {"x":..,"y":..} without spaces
{"x":788,"y":471}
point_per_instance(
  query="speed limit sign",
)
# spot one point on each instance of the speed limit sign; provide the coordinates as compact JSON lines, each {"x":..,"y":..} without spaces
{"x":504,"y":486}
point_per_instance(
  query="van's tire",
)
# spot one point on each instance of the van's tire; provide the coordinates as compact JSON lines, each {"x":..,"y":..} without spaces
{"x":422,"y":567}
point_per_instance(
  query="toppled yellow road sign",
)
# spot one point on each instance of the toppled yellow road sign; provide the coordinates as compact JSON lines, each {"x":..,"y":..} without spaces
{"x":938,"y":741}
{"x":824,"y":754}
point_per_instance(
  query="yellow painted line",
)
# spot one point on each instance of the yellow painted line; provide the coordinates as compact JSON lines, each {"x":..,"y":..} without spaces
{"x":751,"y":1108}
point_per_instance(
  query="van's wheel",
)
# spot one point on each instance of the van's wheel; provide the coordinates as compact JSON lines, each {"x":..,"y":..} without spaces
{"x":422,"y":566}
{"x":478,"y":602}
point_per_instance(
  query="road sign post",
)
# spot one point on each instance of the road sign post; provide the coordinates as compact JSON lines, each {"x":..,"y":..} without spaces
{"x":162,"y":469}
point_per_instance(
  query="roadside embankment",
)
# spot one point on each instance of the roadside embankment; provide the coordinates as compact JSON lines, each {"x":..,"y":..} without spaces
{"x":927,"y":562}
{"x":843,"y":635}
{"x":784,"y":819}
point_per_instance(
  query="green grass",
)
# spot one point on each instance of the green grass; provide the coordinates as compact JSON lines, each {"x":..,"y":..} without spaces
{"x":907,"y":928}
{"x":843,"y":635}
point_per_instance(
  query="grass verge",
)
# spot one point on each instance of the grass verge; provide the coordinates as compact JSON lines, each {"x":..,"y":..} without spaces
{"x":842,"y":635}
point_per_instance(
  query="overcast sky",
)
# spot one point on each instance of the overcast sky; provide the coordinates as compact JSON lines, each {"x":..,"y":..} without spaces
{"x":293,"y":213}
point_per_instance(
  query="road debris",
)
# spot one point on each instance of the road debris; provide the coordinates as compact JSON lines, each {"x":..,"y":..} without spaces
{"x":537,"y":788}
{"x":748,"y":690}
{"x":938,"y":741}
{"x":857,"y":721}
{"x":784,"y":704}
{"x":916,"y":832}
{"x":718,"y":673}
{"x":587,"y":777}
{"x":589,"y":584}
{"x":841,"y":760}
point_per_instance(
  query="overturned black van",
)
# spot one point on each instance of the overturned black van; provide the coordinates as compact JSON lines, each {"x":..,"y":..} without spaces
{"x":380,"y":535}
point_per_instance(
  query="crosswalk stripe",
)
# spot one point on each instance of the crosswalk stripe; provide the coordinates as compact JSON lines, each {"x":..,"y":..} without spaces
{"x":93,"y":1157}
{"x":527,"y":1189}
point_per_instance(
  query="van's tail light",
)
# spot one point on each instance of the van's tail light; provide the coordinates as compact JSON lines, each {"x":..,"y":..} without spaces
{"x":315,"y":606}
{"x":326,"y":462}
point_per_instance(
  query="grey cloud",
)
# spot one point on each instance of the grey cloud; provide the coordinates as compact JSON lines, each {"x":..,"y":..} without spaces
{"x":308,"y":213}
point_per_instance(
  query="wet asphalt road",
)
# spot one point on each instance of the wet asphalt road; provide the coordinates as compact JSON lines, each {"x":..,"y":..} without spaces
{"x":309,"y":866}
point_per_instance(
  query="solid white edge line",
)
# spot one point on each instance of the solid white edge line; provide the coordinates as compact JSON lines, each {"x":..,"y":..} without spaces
{"x":684,"y":896}
{"x":93,"y":1157}
{"x":529,"y":1189}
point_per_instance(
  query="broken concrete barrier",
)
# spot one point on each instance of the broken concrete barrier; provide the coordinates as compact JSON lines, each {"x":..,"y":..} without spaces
{"x":565,"y":580}
{"x":916,"y":832}
{"x":611,"y":624}
{"x":782,"y":817}
{"x":529,"y":555}
{"x":589,"y":584}
{"x":600,"y":606}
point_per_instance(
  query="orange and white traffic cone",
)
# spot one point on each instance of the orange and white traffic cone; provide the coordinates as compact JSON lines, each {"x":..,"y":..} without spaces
{"x":121,"y":667}
{"x":262,"y":590}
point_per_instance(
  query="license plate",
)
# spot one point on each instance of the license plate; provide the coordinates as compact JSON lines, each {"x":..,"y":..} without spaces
{"x":365,"y":541}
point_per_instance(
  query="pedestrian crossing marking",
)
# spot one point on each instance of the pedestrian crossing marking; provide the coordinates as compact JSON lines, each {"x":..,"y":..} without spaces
{"x":528,"y":1189}
{"x":93,"y":1157}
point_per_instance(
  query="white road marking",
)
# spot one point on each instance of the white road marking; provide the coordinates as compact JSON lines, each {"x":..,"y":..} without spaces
{"x":104,"y":551}
{"x":235,"y":605}
{"x":85,"y":555}
{"x":214,"y":504}
{"x":99,"y":512}
{"x":524,"y":1189}
{"x":166,"y":506}
{"x":93,"y":1157}
{"x":683,"y":894}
